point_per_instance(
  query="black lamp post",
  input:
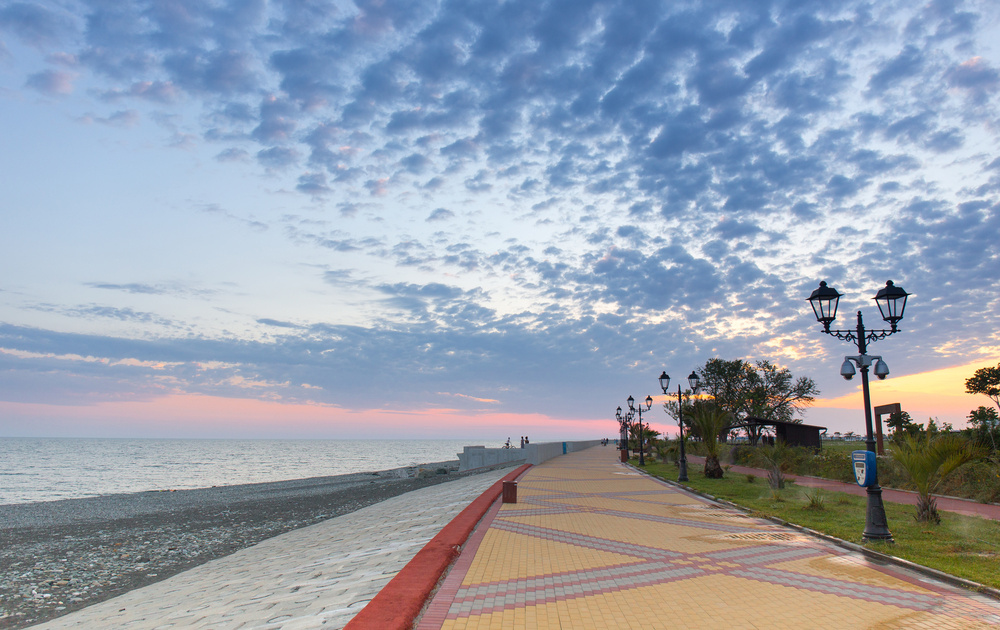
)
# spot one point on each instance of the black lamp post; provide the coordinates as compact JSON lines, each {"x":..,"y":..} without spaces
{"x":633,"y":410}
{"x":695,"y":384}
{"x":891,"y":302}
{"x":622,"y":432}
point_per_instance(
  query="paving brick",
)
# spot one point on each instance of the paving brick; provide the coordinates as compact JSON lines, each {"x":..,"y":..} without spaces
{"x":592,"y":544}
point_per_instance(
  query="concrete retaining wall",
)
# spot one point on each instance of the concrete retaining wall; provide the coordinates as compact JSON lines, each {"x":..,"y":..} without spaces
{"x":544,"y":451}
{"x":479,"y":456}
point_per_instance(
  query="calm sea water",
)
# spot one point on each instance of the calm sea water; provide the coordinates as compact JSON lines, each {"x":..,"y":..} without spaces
{"x":48,"y":469}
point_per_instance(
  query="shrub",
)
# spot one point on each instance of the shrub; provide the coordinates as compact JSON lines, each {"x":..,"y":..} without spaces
{"x":775,"y":458}
{"x":927,"y":460}
{"x":815,"y":499}
{"x":710,"y":421}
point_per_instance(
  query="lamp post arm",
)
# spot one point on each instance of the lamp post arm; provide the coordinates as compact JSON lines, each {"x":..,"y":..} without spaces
{"x":870,"y":336}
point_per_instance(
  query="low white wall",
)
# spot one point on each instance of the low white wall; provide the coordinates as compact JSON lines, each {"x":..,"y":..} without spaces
{"x":479,"y":456}
{"x":544,"y":451}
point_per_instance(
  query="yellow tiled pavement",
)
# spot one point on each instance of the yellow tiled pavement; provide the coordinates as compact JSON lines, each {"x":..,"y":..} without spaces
{"x":593,"y":544}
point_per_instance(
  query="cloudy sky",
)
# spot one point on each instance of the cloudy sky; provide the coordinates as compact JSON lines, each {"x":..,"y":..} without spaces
{"x":409,"y":218}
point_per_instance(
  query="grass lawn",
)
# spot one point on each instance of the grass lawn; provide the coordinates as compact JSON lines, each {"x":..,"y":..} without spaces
{"x":964,"y":546}
{"x":843,"y":446}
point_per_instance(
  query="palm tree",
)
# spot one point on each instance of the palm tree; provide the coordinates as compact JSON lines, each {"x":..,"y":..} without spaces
{"x":710,"y":421}
{"x":927,"y":461}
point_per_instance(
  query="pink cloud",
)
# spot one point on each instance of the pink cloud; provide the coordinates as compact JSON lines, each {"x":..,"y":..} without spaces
{"x":198,"y":416}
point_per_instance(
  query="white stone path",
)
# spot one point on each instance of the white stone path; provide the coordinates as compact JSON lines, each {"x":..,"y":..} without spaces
{"x":317,"y":576}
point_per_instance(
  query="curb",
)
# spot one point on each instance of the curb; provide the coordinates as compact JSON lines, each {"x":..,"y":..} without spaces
{"x":401,"y":600}
{"x":869,"y":553}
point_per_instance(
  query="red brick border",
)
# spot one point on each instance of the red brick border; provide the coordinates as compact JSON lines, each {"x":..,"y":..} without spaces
{"x":401,"y":600}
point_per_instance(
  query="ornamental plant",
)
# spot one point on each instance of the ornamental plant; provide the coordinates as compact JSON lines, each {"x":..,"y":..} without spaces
{"x":926,"y":460}
{"x":710,"y":421}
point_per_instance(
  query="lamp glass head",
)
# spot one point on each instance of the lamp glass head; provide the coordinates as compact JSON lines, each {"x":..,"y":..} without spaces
{"x":694,"y":381}
{"x":891,"y":302}
{"x":824,"y":301}
{"x":664,"y":381}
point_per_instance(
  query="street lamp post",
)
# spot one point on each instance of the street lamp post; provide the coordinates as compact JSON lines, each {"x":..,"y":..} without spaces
{"x":891,"y":302}
{"x":633,"y":410}
{"x":622,"y":432}
{"x":695,"y":384}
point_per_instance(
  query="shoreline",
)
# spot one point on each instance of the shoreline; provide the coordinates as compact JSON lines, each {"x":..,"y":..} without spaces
{"x":60,"y":556}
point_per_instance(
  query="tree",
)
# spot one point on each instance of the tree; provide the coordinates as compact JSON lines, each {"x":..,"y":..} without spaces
{"x":648,"y":435}
{"x":689,"y":407}
{"x":985,"y":422}
{"x":985,"y":381}
{"x":709,"y":421}
{"x":927,"y":459}
{"x":901,"y":424}
{"x":757,"y":390}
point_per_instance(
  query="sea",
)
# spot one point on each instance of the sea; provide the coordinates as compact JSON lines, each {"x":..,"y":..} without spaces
{"x":50,"y":469}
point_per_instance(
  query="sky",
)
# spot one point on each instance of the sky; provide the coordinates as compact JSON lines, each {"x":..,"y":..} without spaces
{"x":462,"y":219}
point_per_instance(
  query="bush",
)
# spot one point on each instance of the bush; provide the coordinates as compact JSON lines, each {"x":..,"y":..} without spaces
{"x":981,"y":477}
{"x":815,"y":499}
{"x":740,"y":455}
{"x":831,"y":465}
{"x":978,"y":480}
{"x":667,"y":450}
{"x":776,"y":459}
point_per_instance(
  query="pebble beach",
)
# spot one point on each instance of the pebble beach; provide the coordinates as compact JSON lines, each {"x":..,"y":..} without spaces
{"x":60,"y":556}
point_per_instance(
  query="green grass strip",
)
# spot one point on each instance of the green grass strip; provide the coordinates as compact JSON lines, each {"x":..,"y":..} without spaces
{"x":963,"y":546}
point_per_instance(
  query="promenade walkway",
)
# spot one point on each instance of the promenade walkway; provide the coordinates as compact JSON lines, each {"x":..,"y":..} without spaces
{"x":593,"y":544}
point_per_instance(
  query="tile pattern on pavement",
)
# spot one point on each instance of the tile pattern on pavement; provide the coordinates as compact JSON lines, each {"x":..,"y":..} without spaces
{"x":317,"y":576}
{"x":593,"y":544}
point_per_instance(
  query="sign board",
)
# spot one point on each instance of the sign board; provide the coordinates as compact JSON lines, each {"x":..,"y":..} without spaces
{"x":864,"y":467}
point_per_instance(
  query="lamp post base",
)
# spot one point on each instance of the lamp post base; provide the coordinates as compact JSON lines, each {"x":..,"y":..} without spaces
{"x":683,"y":475}
{"x":876,"y":525}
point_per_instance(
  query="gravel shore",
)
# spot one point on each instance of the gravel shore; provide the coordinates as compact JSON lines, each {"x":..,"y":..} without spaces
{"x":59,"y":556}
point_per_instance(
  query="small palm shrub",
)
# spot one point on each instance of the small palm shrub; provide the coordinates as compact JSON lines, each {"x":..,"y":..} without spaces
{"x":709,"y":421}
{"x":668,"y":450}
{"x":927,"y":461}
{"x":774,"y":458}
{"x":815,"y":499}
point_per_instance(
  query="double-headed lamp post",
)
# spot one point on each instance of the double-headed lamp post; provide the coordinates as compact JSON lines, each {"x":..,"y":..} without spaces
{"x":695,"y":384}
{"x":633,"y":410}
{"x":891,"y":302}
